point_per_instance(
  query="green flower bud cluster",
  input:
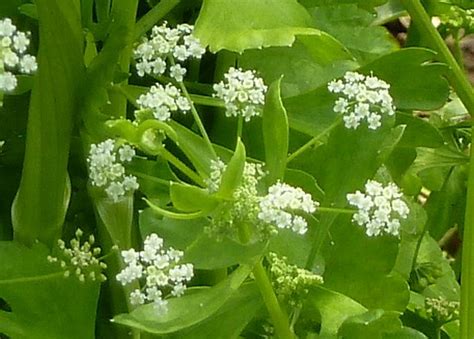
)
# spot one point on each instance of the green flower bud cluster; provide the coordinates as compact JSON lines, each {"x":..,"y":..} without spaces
{"x":80,"y":259}
{"x":441,"y":311}
{"x":290,"y":282}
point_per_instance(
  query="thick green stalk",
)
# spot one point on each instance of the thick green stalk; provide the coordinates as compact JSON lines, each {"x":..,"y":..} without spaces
{"x":153,"y":16}
{"x":277,"y":314}
{"x":463,"y":88}
{"x":43,"y":196}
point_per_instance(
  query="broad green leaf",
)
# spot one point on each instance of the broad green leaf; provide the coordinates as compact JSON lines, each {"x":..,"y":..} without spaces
{"x":194,"y":307}
{"x":41,"y":202}
{"x":354,"y":27}
{"x":190,"y":198}
{"x":367,"y":4}
{"x":44,"y":304}
{"x":418,"y":132}
{"x":310,"y":62}
{"x":233,"y":173}
{"x":231,"y":318}
{"x":334,"y":308}
{"x":374,"y":324}
{"x":251,"y":24}
{"x":275,"y":134}
{"x":420,"y":86}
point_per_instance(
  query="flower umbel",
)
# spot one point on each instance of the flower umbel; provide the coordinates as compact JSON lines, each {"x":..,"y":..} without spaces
{"x":106,"y":170}
{"x":159,"y":268}
{"x":79,"y":259}
{"x":379,"y":209}
{"x":165,"y":43}
{"x":441,"y":310}
{"x":290,"y":282}
{"x":243,"y":93}
{"x":362,"y":98}
{"x":13,"y":45}
{"x":279,"y":205}
{"x":161,"y":101}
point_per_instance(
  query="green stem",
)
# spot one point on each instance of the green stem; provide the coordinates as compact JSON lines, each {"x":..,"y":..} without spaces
{"x":457,"y":51}
{"x":153,"y":16}
{"x":240,"y":127}
{"x":313,"y":141}
{"x":156,"y":180}
{"x":168,"y":156}
{"x":335,"y":210}
{"x":463,"y":88}
{"x":197,"y":119}
{"x":207,"y":101}
{"x":277,"y":314}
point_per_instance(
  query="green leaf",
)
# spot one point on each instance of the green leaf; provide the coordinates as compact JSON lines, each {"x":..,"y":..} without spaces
{"x":231,"y":318}
{"x":354,"y":27}
{"x":233,"y":173}
{"x":310,"y":62}
{"x":366,"y":4}
{"x":420,"y":86}
{"x":418,"y":132}
{"x":42,"y":199}
{"x":334,"y":308}
{"x":190,"y":198}
{"x":250,"y":24}
{"x":44,"y":304}
{"x":194,"y":307}
{"x":375,"y":324}
{"x":275,"y":134}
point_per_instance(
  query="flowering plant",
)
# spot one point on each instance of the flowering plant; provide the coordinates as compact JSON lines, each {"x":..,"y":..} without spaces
{"x":235,"y":169}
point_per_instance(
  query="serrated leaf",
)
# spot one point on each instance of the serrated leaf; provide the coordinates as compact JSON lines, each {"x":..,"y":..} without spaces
{"x":186,"y":311}
{"x":250,"y":24}
{"x":275,"y":134}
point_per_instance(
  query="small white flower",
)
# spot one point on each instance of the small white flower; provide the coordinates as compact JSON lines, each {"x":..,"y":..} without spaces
{"x":159,"y":268}
{"x":177,"y":72}
{"x":282,"y":199}
{"x":362,"y":98}
{"x":379,"y":209}
{"x":106,"y":169}
{"x":7,"y":28}
{"x":8,"y":82}
{"x":243,"y":93}
{"x":28,"y":64}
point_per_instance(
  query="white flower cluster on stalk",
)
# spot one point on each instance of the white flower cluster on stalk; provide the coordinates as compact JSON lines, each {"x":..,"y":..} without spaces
{"x":266,"y":213}
{"x":106,"y":168}
{"x":441,"y":310}
{"x":165,"y":43}
{"x":79,"y":259}
{"x":161,"y":101}
{"x":13,"y":56}
{"x":362,"y":98}
{"x":159,"y":268}
{"x":278,"y":207}
{"x":379,"y":209}
{"x":243,"y":93}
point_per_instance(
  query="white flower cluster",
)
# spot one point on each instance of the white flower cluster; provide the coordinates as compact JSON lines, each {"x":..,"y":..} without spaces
{"x":106,"y":169}
{"x":80,"y":260}
{"x":280,"y":204}
{"x":161,"y":101}
{"x":13,"y":45}
{"x":217,"y":170}
{"x":379,"y":209}
{"x":164,"y":43}
{"x":160,"y":270}
{"x":362,"y":97}
{"x":243,"y":93}
{"x":441,"y":310}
